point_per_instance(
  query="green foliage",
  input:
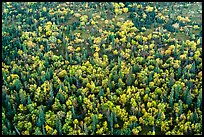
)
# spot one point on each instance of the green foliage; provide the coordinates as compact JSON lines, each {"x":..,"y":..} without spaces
{"x":22,"y":97}
{"x":171,"y":100}
{"x":18,"y":84}
{"x":193,"y":68}
{"x":29,"y":101}
{"x":59,"y":126}
{"x":130,"y":79}
{"x":180,"y":107}
{"x":194,"y":117}
{"x":189,"y":97}
{"x":199,"y":100}
{"x":95,"y":121}
{"x":177,"y":91}
{"x":37,"y":131}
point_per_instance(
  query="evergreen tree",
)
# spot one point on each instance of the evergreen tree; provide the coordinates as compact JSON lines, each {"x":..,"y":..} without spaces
{"x":194,"y":117}
{"x":199,"y":100}
{"x":17,"y":98}
{"x":189,"y":98}
{"x":130,"y":79}
{"x":46,"y":61}
{"x":47,"y":74}
{"x":22,"y":97}
{"x":179,"y":72}
{"x":111,"y":122}
{"x":95,"y":121}
{"x":39,"y":122}
{"x":9,"y":110}
{"x":59,"y":126}
{"x":185,"y":93}
{"x":43,"y":129}
{"x":171,"y":100}
{"x":171,"y":82}
{"x":41,"y":117}
{"x":101,"y":92}
{"x":193,"y":68}
{"x":177,"y":92}
{"x":17,"y":84}
{"x":29,"y":100}
{"x":180,"y":107}
{"x":37,"y":131}
{"x":73,"y":113}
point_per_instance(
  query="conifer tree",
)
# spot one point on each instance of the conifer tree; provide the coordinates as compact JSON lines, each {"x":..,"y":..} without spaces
{"x":193,"y":68}
{"x":177,"y":92}
{"x":95,"y":121}
{"x":171,"y":100}
{"x":199,"y":100}
{"x":194,"y":117}
{"x":37,"y":131}
{"x":29,"y":100}
{"x":18,"y":84}
{"x":47,"y":74}
{"x":59,"y":126}
{"x":179,"y":72}
{"x":180,"y":107}
{"x":22,"y":97}
{"x":189,"y":97}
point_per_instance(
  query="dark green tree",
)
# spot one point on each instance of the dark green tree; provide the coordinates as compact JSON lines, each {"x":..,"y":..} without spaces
{"x":18,"y":84}
{"x":193,"y":68}
{"x":22,"y":97}
{"x":59,"y":125}
{"x":171,"y":100}
{"x":29,"y":100}
{"x":199,"y":100}
{"x":177,"y":92}
{"x":47,"y":74}
{"x":180,"y":107}
{"x":189,"y":98}
{"x":95,"y":121}
{"x":194,"y":117}
{"x":37,"y":131}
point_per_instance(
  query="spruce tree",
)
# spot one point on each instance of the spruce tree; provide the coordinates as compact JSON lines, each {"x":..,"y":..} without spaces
{"x":177,"y":92}
{"x":180,"y":107}
{"x":193,"y":68}
{"x":171,"y":100}
{"x":29,"y":101}
{"x":95,"y":121}
{"x":189,"y":98}
{"x":59,"y":126}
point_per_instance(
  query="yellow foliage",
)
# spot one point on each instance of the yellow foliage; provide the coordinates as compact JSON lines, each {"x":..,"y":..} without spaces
{"x":183,"y":56}
{"x":44,"y":9}
{"x":125,"y":10}
{"x":14,"y":76}
{"x":48,"y":129}
{"x":168,"y":52}
{"x":78,"y":49}
{"x":63,"y":73}
{"x":200,"y":74}
{"x":21,"y":107}
{"x":149,"y":9}
{"x":70,"y":48}
{"x":144,"y":16}
{"x":123,"y":99}
{"x":75,"y":121}
{"x":145,"y":98}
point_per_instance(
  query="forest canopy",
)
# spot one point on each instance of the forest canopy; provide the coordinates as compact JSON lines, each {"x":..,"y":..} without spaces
{"x":101,"y":68}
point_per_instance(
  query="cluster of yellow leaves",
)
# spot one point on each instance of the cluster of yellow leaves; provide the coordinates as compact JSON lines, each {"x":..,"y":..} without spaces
{"x":183,"y":19}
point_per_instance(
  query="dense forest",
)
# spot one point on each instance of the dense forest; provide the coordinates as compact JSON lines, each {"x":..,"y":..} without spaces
{"x":101,"y":68}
